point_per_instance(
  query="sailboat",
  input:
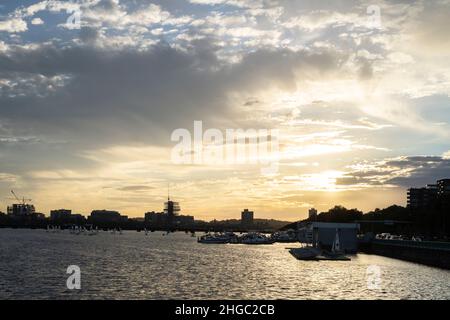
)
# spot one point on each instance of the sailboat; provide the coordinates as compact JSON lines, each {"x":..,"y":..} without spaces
{"x":336,"y":248}
{"x":336,"y":251}
{"x":315,"y":252}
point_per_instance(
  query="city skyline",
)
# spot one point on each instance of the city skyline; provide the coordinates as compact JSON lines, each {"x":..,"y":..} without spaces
{"x":92,"y":91}
{"x":418,"y":198}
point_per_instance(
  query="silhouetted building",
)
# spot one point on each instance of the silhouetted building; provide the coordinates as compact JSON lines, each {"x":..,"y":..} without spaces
{"x":247,"y":217}
{"x":106,"y":216}
{"x":421,"y":198}
{"x":39,"y":215}
{"x":21,"y":210}
{"x":443,"y":191}
{"x":65,"y":216}
{"x":77,"y":218}
{"x":430,"y":196}
{"x":171,"y":209}
{"x":170,"y":217}
{"x":312,"y":214}
{"x":155,"y":218}
{"x":185,"y":221}
{"x":443,"y":187}
{"x":60,"y":214}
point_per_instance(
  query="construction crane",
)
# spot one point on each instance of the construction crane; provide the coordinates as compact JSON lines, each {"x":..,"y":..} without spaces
{"x":23,"y":200}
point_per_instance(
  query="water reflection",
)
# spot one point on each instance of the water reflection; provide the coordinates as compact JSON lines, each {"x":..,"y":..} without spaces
{"x":134,"y":266}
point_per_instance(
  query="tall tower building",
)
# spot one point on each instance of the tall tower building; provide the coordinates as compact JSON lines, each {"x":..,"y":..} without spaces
{"x":171,"y":209}
{"x":246,"y":217}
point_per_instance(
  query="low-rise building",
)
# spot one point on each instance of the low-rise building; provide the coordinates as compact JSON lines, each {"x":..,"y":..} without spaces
{"x":60,"y":214}
{"x":323,"y":234}
{"x":21,"y":210}
{"x":107,"y":217}
{"x":155,"y":218}
{"x":184,"y":220}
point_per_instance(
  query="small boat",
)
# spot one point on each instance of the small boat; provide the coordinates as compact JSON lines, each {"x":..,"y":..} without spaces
{"x":285,"y":236}
{"x":305,"y":253}
{"x":255,"y":238}
{"x":336,"y":252}
{"x":315,"y":253}
{"x":216,"y":238}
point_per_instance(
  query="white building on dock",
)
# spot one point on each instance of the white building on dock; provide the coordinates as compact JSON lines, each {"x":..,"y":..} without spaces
{"x":323,"y":234}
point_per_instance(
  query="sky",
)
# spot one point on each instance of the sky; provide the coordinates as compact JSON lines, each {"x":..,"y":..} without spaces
{"x":354,"y":93}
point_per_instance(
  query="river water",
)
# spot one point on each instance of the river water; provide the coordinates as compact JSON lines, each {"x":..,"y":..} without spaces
{"x":33,"y":265}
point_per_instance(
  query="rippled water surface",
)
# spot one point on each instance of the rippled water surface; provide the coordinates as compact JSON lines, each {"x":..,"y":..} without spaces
{"x":33,"y":265}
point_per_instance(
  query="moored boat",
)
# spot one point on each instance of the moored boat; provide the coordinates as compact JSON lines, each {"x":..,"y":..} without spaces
{"x":305,"y":253}
{"x":217,"y":238}
{"x":255,"y":238}
{"x":315,"y":253}
{"x":285,"y":236}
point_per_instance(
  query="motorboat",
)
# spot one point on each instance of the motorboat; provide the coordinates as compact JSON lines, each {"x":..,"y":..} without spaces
{"x":305,"y":253}
{"x":285,"y":236}
{"x":255,"y":238}
{"x":314,"y":252}
{"x":217,"y":238}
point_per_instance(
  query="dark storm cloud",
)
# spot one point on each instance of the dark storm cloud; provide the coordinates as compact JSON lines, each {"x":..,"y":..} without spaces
{"x":122,"y":96}
{"x":89,"y":34}
{"x":413,"y":171}
{"x":128,"y":97}
{"x":426,"y":170}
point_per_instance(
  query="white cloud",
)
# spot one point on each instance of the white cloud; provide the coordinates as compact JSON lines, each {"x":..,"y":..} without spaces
{"x":13,"y":25}
{"x":37,"y":21}
{"x":135,"y":69}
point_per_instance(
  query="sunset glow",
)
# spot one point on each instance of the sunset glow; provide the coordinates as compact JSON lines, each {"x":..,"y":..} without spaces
{"x":87,"y":112}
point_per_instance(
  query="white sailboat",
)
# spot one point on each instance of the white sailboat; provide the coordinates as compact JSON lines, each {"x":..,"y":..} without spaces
{"x":336,"y":248}
{"x":336,"y":251}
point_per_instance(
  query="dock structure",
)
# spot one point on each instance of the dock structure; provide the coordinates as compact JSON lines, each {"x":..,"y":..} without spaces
{"x":431,"y":253}
{"x":323,"y":234}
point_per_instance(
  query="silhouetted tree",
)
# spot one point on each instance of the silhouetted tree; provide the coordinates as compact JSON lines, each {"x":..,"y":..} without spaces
{"x":340,"y":214}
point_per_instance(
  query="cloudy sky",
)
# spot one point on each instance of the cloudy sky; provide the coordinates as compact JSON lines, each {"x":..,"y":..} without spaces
{"x":91,"y":91}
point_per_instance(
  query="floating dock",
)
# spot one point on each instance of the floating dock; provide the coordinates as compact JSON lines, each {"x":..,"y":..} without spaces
{"x":314,"y":254}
